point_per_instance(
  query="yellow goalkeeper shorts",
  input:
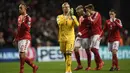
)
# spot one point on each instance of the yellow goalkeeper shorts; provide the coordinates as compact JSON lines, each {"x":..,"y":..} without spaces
{"x":66,"y":46}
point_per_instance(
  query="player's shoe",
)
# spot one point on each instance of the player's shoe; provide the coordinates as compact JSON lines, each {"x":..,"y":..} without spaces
{"x":35,"y":68}
{"x":112,"y":69}
{"x":78,"y":68}
{"x":101,"y":65}
{"x":97,"y":68}
{"x":117,"y":69}
{"x":88,"y":68}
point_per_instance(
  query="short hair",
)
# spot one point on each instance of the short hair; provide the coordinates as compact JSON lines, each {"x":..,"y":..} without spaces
{"x":113,"y":10}
{"x":90,"y":6}
{"x":24,"y":4}
{"x":79,"y":7}
{"x":65,"y":3}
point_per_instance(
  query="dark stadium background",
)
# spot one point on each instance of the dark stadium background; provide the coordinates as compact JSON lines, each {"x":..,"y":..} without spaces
{"x":43,"y":12}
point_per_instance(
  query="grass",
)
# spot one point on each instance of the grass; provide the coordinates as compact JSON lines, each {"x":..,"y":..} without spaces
{"x":59,"y":67}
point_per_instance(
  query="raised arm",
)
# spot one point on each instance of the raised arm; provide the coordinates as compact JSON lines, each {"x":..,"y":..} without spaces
{"x":118,"y":23}
{"x":104,"y":29}
{"x":95,"y":18}
{"x":75,"y":21}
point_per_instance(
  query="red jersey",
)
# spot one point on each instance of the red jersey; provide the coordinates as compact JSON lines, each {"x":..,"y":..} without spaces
{"x":96,"y":23}
{"x":84,"y":27}
{"x":113,"y":28}
{"x":23,"y":30}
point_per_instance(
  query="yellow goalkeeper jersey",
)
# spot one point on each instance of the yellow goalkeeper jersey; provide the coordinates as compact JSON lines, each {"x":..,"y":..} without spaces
{"x":66,"y":27}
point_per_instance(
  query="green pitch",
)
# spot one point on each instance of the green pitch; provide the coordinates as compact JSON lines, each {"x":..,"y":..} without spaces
{"x":59,"y":67}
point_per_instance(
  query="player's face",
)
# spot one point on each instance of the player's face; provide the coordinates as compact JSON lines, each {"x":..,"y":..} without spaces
{"x":87,"y":13}
{"x":66,"y":8}
{"x":21,"y":9}
{"x":80,"y":12}
{"x":112,"y":14}
{"x":88,"y":10}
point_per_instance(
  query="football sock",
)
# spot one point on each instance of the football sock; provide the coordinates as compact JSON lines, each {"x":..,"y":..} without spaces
{"x":113,"y":61}
{"x":22,"y":61}
{"x":116,"y":60}
{"x":29,"y":62}
{"x":97,"y":56}
{"x":89,"y":57}
{"x":77,"y":56}
{"x":68,"y":63}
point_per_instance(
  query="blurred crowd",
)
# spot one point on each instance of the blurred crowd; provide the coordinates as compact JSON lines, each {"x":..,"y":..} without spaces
{"x":44,"y":29}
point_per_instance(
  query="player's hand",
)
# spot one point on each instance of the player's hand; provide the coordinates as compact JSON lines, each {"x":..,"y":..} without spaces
{"x":90,"y":19}
{"x":79,"y":34}
{"x":77,"y":38}
{"x":99,"y":38}
{"x":14,"y":42}
{"x":71,"y":11}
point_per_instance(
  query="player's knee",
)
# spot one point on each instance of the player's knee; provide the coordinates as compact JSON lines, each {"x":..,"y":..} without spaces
{"x":22,"y":54}
{"x":87,"y":50}
{"x":76,"y":49}
{"x":68,"y":52}
{"x":62,"y":51}
{"x":114,"y":51}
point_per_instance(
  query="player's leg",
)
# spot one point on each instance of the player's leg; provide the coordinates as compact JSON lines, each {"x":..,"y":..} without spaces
{"x":110,"y":49}
{"x":62,"y":49}
{"x":77,"y":45}
{"x":22,"y":55}
{"x":69,"y":49}
{"x":94,"y":48}
{"x":115,"y":46}
{"x":86,"y":44}
{"x":26,"y":44}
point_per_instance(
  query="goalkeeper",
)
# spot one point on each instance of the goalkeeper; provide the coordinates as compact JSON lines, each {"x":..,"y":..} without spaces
{"x":66,"y":23}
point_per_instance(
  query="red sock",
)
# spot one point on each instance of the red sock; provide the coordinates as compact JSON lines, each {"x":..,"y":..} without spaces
{"x":22,"y":61}
{"x":77,"y":57}
{"x":113,"y":61}
{"x":89,"y":57}
{"x":29,"y":62}
{"x":97,"y":56}
{"x":116,"y":60}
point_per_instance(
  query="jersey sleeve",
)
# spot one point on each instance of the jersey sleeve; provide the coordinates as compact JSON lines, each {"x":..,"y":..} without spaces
{"x":27,"y":23}
{"x":83,"y":31}
{"x":118,"y":23}
{"x":95,"y":18}
{"x":59,"y":20}
{"x":104,"y":29}
{"x":75,"y":21}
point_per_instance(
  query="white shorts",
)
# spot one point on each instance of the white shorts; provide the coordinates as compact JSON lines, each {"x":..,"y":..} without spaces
{"x":113,"y":45}
{"x":95,"y":43}
{"x":82,"y":42}
{"x":23,"y":45}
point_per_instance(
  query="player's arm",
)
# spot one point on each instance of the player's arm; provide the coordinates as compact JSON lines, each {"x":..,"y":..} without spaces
{"x":60,"y":20}
{"x":75,"y":21}
{"x":94,"y":19}
{"x":118,"y":23}
{"x":104,"y":29}
{"x":82,"y":32}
